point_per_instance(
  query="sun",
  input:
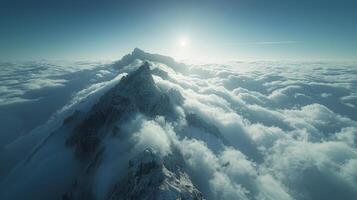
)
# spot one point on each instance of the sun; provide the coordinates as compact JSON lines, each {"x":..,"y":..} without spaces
{"x":182,"y":48}
{"x":183,"y":41}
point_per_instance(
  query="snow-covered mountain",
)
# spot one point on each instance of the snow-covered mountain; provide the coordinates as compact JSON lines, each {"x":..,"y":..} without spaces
{"x":149,"y":174}
{"x":147,"y":127}
{"x":134,"y":94}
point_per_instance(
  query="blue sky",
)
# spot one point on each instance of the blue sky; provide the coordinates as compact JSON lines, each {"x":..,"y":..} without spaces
{"x":200,"y":30}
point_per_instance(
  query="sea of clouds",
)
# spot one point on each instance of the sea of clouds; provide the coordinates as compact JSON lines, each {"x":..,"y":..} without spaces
{"x":31,"y":92}
{"x":289,"y":130}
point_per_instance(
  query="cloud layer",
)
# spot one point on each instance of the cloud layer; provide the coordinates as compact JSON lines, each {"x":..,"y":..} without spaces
{"x":291,"y":129}
{"x":31,"y":92}
{"x":263,"y":130}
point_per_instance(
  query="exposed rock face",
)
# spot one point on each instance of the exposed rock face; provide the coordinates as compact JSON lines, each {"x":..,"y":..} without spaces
{"x":135,"y":93}
{"x":152,"y":178}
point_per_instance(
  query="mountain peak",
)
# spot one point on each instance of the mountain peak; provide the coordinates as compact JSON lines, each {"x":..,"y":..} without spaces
{"x":144,"y":56}
{"x":137,"y":51}
{"x":145,"y":68}
{"x":139,"y":79}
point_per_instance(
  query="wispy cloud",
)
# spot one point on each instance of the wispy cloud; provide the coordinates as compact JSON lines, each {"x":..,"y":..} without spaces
{"x":276,"y":42}
{"x":285,"y":42}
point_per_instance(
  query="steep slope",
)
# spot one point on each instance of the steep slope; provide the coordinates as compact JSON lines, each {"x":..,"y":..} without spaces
{"x":135,"y":93}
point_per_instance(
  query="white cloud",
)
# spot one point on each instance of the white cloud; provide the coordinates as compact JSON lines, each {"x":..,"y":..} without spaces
{"x":348,"y":135}
{"x":285,"y":113}
{"x":290,"y":128}
{"x":310,"y":168}
{"x":270,"y":189}
{"x":152,"y":135}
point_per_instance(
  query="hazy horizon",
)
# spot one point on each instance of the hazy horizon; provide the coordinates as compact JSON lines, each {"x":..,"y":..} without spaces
{"x":191,"y":61}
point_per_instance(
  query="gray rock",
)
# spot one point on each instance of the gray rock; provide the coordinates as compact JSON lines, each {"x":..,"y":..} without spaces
{"x":150,"y":179}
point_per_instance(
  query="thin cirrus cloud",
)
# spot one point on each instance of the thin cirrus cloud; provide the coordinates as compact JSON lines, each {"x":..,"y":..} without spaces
{"x":284,"y":42}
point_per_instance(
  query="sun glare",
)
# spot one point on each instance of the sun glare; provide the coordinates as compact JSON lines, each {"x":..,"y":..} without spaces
{"x":182,"y":48}
{"x":183,"y":42}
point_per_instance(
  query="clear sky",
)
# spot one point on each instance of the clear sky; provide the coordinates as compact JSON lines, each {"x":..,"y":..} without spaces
{"x":307,"y":30}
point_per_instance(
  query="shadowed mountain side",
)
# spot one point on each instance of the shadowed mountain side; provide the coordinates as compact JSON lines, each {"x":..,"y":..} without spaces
{"x":135,"y":93}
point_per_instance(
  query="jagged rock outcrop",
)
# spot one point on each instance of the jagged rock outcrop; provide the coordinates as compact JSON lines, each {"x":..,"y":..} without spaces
{"x":152,"y":178}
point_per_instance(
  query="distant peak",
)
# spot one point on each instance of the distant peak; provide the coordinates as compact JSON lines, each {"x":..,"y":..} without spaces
{"x":137,"y":51}
{"x":142,"y":55}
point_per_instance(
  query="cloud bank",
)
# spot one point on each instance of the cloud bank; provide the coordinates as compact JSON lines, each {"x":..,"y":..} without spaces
{"x":259,"y":130}
{"x":291,"y":133}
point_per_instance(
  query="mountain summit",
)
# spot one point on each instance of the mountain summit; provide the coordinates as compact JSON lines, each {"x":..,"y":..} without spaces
{"x":139,"y":54}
